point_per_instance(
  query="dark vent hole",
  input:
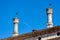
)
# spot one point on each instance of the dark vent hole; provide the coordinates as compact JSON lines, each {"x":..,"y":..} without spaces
{"x":39,"y":38}
{"x":58,"y":34}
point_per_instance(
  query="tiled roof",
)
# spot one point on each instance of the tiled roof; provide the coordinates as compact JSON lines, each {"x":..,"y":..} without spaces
{"x":35,"y":33}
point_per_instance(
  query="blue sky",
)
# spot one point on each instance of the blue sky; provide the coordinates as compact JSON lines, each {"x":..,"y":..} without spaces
{"x":31,"y":13}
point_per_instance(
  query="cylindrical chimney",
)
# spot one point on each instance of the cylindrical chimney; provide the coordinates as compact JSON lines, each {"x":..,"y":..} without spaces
{"x":15,"y":22}
{"x":49,"y":17}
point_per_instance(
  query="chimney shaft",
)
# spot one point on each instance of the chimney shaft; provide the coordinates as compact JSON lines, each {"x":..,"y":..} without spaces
{"x":15,"y":22}
{"x":49,"y":17}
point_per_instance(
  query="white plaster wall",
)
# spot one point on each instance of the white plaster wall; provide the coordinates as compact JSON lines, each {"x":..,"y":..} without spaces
{"x":50,"y":37}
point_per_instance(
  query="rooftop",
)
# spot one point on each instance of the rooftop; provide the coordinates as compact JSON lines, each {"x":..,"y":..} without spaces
{"x":35,"y":33}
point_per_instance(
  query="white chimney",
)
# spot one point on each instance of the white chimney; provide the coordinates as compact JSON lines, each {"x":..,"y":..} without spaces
{"x":15,"y":22}
{"x":49,"y":18}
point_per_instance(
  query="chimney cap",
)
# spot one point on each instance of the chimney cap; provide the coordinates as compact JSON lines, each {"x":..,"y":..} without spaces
{"x":16,"y":17}
{"x":49,"y":6}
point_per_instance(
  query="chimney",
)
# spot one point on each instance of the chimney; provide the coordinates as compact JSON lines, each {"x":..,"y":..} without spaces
{"x":49,"y":17}
{"x":15,"y":22}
